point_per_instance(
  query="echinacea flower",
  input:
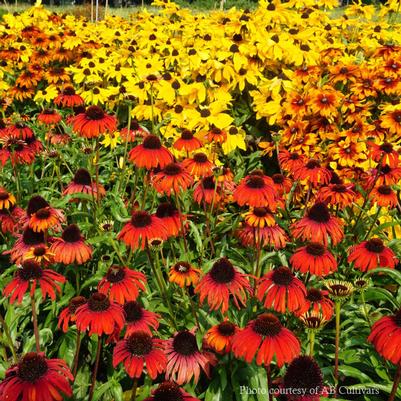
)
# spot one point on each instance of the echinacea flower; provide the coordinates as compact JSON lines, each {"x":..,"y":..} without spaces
{"x":187,"y":142}
{"x":172,"y":179}
{"x":68,"y":98}
{"x":30,"y":276}
{"x":49,"y":117}
{"x":169,"y":390}
{"x":39,"y":254}
{"x":384,"y":196}
{"x":7,"y":199}
{"x":136,"y":351}
{"x":36,"y":378}
{"x":82,"y":183}
{"x":384,"y":153}
{"x":185,"y":360}
{"x":24,"y":243}
{"x":339,"y":290}
{"x":10,"y":219}
{"x":317,"y":301}
{"x":221,"y":283}
{"x":99,"y":315}
{"x":67,"y":315}
{"x":122,"y":284}
{"x":340,"y":195}
{"x":314,"y":258}
{"x":170,"y":217}
{"x":281,"y":290}
{"x":93,"y":122}
{"x":71,"y":247}
{"x":266,"y":339}
{"x":139,"y":319}
{"x":207,"y":190}
{"x":260,"y":217}
{"x":20,"y":131}
{"x":198,"y":166}
{"x":142,"y":228}
{"x":312,"y":321}
{"x":150,"y":154}
{"x":184,"y":274}
{"x":274,"y":236}
{"x":318,"y":226}
{"x":220,"y":336}
{"x":313,"y":173}
{"x":371,"y":254}
{"x":386,"y":337}
{"x":290,"y":161}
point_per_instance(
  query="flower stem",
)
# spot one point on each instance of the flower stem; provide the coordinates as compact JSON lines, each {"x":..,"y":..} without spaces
{"x":269,"y":382}
{"x":338,"y":311}
{"x":76,"y":356}
{"x":373,"y":222}
{"x":35,"y":324}
{"x":134,"y":387}
{"x":94,"y":375}
{"x":311,"y":342}
{"x":396,"y":383}
{"x":365,"y":311}
{"x":9,"y":339}
{"x":177,"y":200}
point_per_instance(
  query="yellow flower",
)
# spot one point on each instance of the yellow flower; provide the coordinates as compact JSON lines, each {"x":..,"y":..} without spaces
{"x":111,"y":140}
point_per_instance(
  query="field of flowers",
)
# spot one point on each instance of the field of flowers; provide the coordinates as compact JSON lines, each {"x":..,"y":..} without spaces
{"x":201,"y":205}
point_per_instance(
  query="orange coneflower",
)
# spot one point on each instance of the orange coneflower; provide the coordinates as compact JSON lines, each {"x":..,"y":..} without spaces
{"x":290,"y":161}
{"x":273,"y":236}
{"x":317,"y":301}
{"x":49,"y":117}
{"x":221,"y":283}
{"x":282,"y":184}
{"x":314,"y":258}
{"x":207,"y":190}
{"x":139,"y":319}
{"x":371,"y":254}
{"x":7,"y":199}
{"x":313,"y":173}
{"x":93,"y":122}
{"x":39,"y":254}
{"x":220,"y":337}
{"x":184,"y":274}
{"x":67,"y":315}
{"x":20,"y":130}
{"x":187,"y":142}
{"x":71,"y":247}
{"x":171,"y":218}
{"x":82,"y":183}
{"x":172,"y":178}
{"x":318,"y":226}
{"x":216,"y":135}
{"x":384,"y":153}
{"x":68,"y":98}
{"x":281,"y":290}
{"x":150,"y":154}
{"x":198,"y":166}
{"x":384,"y":196}
{"x":325,"y":102}
{"x":341,"y":195}
{"x":10,"y":219}
{"x":260,"y":217}
{"x":266,"y":339}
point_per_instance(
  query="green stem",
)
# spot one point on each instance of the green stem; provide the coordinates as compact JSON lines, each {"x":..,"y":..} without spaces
{"x":76,"y":356}
{"x":269,"y":382}
{"x":365,"y":311}
{"x":9,"y":339}
{"x":311,"y":342}
{"x":35,"y":324}
{"x":396,"y":383}
{"x":373,"y":222}
{"x":96,"y":367}
{"x":134,"y":387}
{"x":337,"y":350}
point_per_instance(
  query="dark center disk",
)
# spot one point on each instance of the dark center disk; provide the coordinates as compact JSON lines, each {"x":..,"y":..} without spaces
{"x":216,"y":131}
{"x":48,"y":111}
{"x":30,"y":271}
{"x":133,"y":311}
{"x":315,"y":249}
{"x":36,"y":203}
{"x":187,"y":135}
{"x":319,"y":213}
{"x":397,"y":318}
{"x":69,"y":91}
{"x":39,"y":250}
{"x":384,"y":190}
{"x":98,"y":302}
{"x":260,"y":211}
{"x":32,"y":367}
{"x":165,"y":209}
{"x":278,"y":178}
{"x":267,"y":324}
{"x":200,"y":158}
{"x":71,"y":234}
{"x":139,"y":343}
{"x":386,"y":170}
{"x":282,"y":276}
{"x":82,"y":177}
{"x":94,"y":113}
{"x":141,"y":219}
{"x":3,"y":195}
{"x":222,"y":271}
{"x":208,"y":183}
{"x":30,"y":237}
{"x":152,"y":142}
{"x":43,"y":214}
{"x":184,"y":343}
{"x":226,"y":329}
{"x":75,"y":303}
{"x":168,"y":391}
{"x":294,"y":156}
{"x":255,"y":182}
{"x":314,"y":295}
{"x":182,"y":267}
{"x":339,"y":289}
{"x":386,"y":147}
{"x":304,"y":373}
{"x":312,"y":164}
{"x":339,"y":188}
{"x":397,"y":116}
{"x":115,"y":274}
{"x":375,"y":245}
{"x":172,"y":169}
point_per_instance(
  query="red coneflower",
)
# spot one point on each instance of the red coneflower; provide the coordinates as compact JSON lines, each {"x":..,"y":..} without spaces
{"x":384,"y":153}
{"x":266,"y":338}
{"x":173,"y":178}
{"x":260,"y":217}
{"x":49,"y":117}
{"x":184,"y":274}
{"x":199,"y":165}
{"x":384,"y":196}
{"x":385,"y":176}
{"x":67,"y":315}
{"x":68,"y":98}
{"x":216,"y":135}
{"x":386,"y":337}
{"x":185,"y":360}
{"x":20,"y":131}
{"x":273,"y":236}
{"x":82,"y":183}
{"x":313,"y":173}
{"x":341,"y":195}
{"x":24,"y":243}
{"x":170,"y":391}
{"x":17,"y":151}
{"x":170,"y":217}
{"x":7,"y":199}
{"x":220,"y":337}
{"x":139,"y":319}
{"x":257,"y":191}
{"x":371,"y":254}
{"x":290,"y":161}
{"x":36,"y":378}
{"x":150,"y":154}
{"x":136,"y":131}
{"x":93,"y":122}
{"x":99,"y":315}
{"x":318,"y":225}
{"x":207,"y":190}
{"x":318,"y":302}
{"x":71,"y":247}
{"x":142,"y":228}
{"x":221,"y":283}
{"x":281,"y":290}
{"x":314,"y":258}
{"x":282,"y":184}
{"x":28,"y":277}
{"x":122,"y":284}
{"x":10,"y":219}
{"x":303,"y":380}
{"x":56,"y":136}
{"x":187,"y":142}
{"x":138,"y":349}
